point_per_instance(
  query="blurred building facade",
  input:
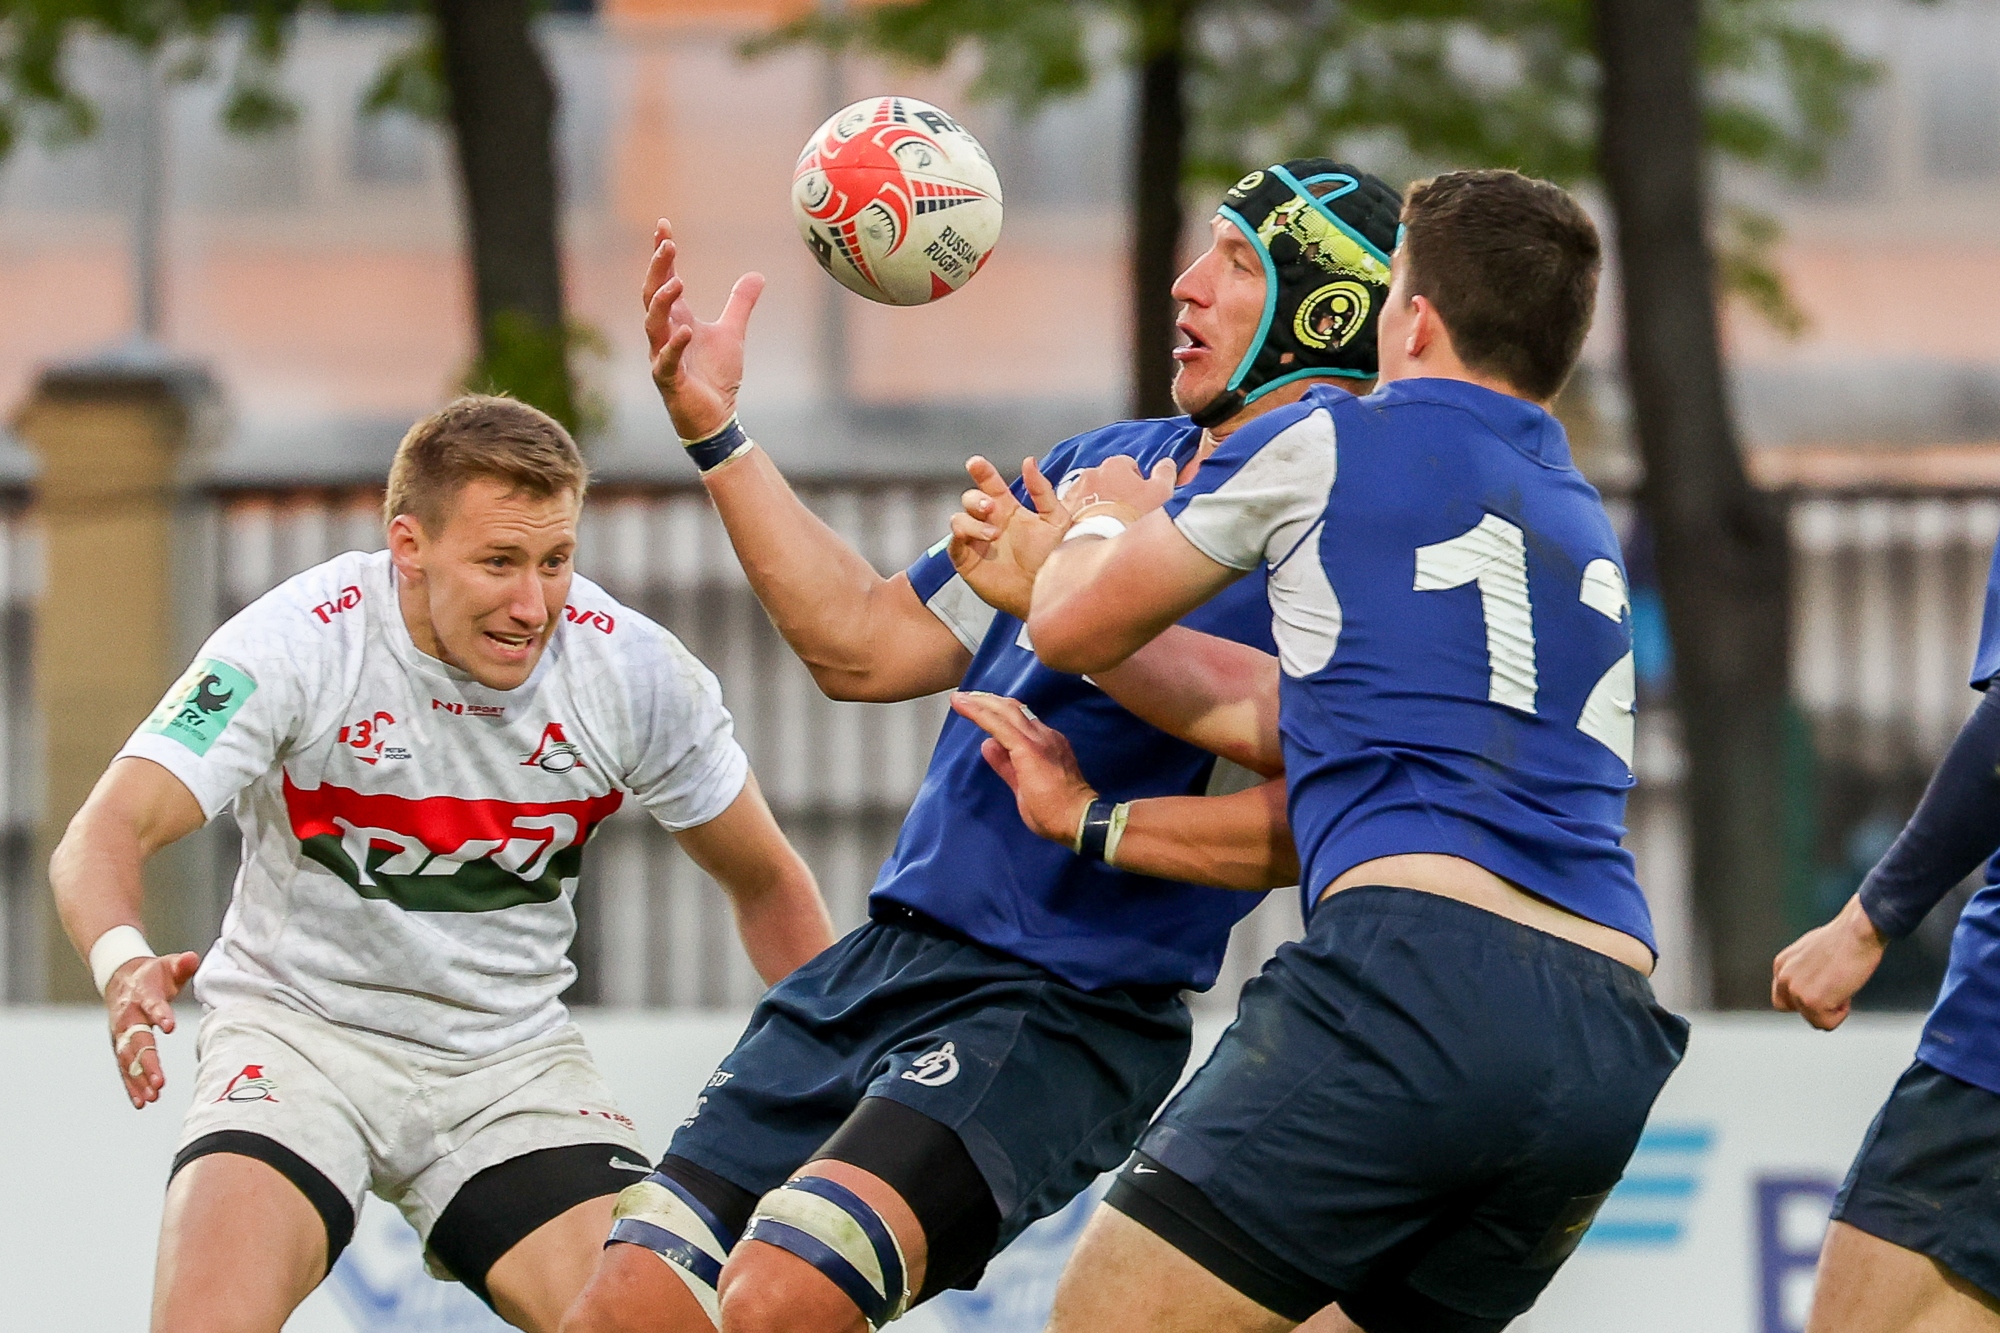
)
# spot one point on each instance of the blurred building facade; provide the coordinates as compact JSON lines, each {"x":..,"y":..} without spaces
{"x":316,"y":275}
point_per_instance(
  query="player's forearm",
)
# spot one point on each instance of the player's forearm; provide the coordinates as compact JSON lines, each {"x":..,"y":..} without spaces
{"x":782,"y":922}
{"x":1242,"y":841}
{"x":1956,"y":827}
{"x":826,"y":600}
{"x":1068,"y":617}
{"x":95,"y":876}
{"x":1209,"y":692}
{"x":1097,"y":600}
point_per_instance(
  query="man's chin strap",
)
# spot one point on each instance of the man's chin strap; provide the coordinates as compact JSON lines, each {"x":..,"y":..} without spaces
{"x":1219,"y":409}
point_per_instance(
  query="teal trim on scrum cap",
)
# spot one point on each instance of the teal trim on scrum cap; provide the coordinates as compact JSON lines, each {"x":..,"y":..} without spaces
{"x":1352,"y":184}
{"x":1327,"y":213}
{"x":1270,"y":295}
{"x":1261,"y":390}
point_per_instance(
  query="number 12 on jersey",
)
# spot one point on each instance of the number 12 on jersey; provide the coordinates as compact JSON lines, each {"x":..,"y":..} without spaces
{"x":1494,"y":555}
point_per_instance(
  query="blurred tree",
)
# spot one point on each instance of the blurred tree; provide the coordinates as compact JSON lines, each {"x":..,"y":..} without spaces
{"x":1224,"y":85}
{"x":1723,"y":552}
{"x":477,"y":68}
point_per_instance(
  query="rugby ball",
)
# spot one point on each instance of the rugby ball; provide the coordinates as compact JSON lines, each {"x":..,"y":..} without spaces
{"x":897,"y":200}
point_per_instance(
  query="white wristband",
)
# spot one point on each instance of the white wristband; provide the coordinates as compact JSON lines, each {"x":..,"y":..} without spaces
{"x":115,"y":948}
{"x":1097,"y":525}
{"x":1113,"y":836}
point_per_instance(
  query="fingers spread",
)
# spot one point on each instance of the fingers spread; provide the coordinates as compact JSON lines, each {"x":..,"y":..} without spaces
{"x":1039,"y":490}
{"x":742,"y":300}
{"x":668,"y":363}
{"x":966,"y":528}
{"x":986,"y":477}
{"x":658,"y":270}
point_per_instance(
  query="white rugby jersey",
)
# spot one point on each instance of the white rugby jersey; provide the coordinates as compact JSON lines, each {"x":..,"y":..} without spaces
{"x":411,"y":838}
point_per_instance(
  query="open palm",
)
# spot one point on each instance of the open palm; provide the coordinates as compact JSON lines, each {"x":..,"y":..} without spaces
{"x":698,"y":366}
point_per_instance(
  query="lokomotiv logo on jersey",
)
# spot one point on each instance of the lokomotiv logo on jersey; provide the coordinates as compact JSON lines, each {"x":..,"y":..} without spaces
{"x":556,"y":753}
{"x":445,"y":853}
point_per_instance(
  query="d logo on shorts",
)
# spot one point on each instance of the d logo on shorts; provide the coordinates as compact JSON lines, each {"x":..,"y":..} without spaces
{"x":935,"y":1068}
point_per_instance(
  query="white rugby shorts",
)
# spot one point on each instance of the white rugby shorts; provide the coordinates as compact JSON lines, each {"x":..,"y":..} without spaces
{"x":375,"y":1115}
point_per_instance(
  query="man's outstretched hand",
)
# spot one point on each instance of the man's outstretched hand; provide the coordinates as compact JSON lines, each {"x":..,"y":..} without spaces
{"x":1818,"y":973}
{"x":697,"y":366}
{"x":1032,"y":758}
{"x":139,"y":998}
{"x":998,"y":543}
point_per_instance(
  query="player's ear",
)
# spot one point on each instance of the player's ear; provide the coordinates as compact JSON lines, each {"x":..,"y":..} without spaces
{"x":1425,"y":327}
{"x":406,"y":545}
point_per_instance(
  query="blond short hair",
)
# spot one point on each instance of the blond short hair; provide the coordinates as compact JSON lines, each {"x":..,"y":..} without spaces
{"x":479,"y":437}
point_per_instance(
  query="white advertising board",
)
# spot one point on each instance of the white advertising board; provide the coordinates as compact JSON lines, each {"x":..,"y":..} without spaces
{"x":1715,"y":1226}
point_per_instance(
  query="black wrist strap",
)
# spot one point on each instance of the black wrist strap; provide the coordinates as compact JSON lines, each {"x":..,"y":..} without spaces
{"x":1096,"y":827}
{"x":713,"y":451}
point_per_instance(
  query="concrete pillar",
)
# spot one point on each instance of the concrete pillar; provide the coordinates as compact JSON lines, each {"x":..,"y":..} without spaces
{"x":111,"y":433}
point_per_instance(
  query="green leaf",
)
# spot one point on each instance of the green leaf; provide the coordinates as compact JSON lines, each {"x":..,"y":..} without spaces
{"x":525,"y":359}
{"x":411,"y":81}
{"x":1405,"y":85}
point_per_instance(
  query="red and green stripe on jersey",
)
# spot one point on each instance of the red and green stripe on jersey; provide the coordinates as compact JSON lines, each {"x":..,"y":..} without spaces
{"x":445,"y":853}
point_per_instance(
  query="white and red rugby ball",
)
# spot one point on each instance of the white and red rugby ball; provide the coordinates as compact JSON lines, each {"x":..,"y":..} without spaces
{"x":897,"y":200}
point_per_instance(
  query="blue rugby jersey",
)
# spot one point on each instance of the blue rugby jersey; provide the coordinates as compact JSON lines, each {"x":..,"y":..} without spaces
{"x":1962,"y":1035}
{"x":965,"y":859}
{"x":1450,"y":609}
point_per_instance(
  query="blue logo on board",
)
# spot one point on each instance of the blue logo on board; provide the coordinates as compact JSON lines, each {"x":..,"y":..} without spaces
{"x":1792,"y":1213}
{"x":1650,"y":1208}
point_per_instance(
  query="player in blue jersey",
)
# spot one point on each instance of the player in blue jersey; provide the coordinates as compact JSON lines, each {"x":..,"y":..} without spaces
{"x":1914,"y":1246}
{"x":1011,"y":1016}
{"x":1423,"y":1102}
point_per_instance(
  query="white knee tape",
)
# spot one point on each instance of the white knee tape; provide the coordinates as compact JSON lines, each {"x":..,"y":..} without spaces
{"x":656,"y":1215}
{"x":834,"y":1230}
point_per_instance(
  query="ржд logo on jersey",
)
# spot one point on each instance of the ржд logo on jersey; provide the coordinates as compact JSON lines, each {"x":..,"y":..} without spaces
{"x":345,"y":600}
{"x":200,"y":704}
{"x":556,"y":753}
{"x":444,"y":853}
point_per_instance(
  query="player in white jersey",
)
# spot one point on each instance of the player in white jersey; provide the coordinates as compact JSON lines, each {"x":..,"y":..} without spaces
{"x":417,"y":744}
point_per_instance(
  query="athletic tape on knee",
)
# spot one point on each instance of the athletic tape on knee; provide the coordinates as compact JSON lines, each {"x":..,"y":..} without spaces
{"x":834,"y":1230}
{"x":659,"y":1215}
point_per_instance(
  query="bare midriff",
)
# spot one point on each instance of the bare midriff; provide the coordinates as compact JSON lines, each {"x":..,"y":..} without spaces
{"x":1462,"y":880}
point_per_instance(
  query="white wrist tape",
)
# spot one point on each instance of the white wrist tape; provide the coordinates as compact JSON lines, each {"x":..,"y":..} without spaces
{"x":1097,"y":525}
{"x":115,"y":948}
{"x":1119,"y":814}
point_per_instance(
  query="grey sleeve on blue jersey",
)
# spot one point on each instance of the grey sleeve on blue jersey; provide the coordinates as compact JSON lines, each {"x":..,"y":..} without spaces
{"x":950,"y":598}
{"x":1263,"y":510}
{"x":959,"y":607}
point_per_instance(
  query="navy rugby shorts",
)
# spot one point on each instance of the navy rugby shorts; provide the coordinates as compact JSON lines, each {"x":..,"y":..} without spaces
{"x":1926,"y":1175}
{"x":1416,"y":1114}
{"x":1047,"y":1086}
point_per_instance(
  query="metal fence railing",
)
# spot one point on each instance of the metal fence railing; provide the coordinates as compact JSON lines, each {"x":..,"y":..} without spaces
{"x":652,"y":929}
{"x":1887,"y":600}
{"x":20,"y":748}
